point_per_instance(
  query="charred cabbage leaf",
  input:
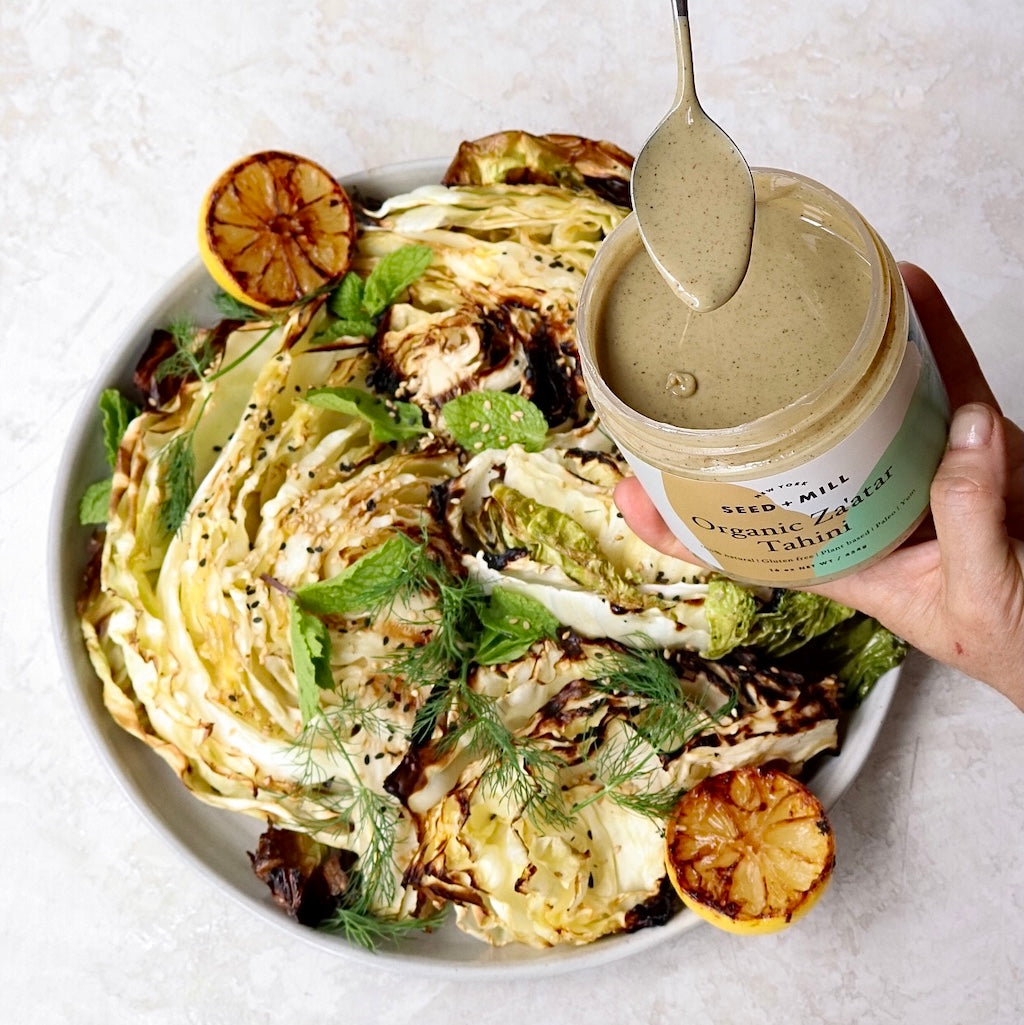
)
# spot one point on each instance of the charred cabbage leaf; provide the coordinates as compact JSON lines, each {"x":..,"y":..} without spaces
{"x":306,"y":878}
{"x":858,"y":650}
{"x":568,"y":161}
{"x":778,"y":624}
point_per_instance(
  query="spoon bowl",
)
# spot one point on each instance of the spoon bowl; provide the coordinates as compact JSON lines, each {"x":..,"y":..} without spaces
{"x":693,"y":195}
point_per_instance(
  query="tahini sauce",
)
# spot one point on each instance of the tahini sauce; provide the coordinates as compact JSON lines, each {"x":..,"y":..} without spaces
{"x":796,"y":315}
{"x":693,"y":197}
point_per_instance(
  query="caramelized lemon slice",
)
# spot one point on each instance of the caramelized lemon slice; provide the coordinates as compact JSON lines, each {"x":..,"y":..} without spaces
{"x":274,"y":228}
{"x":749,"y":850}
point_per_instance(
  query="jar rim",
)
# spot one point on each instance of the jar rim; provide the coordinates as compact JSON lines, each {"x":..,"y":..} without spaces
{"x":778,"y":423}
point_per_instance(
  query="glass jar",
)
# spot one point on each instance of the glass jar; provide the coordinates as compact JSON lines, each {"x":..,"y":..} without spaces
{"x":824,"y":485}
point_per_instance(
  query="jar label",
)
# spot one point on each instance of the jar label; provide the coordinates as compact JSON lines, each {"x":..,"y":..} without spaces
{"x":854,"y":502}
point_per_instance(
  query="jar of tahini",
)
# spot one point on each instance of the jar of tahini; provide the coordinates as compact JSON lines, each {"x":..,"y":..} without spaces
{"x":791,"y":435}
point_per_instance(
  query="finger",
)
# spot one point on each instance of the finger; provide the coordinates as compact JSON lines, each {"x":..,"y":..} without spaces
{"x":958,"y":366}
{"x":1015,"y":476}
{"x":968,"y":500}
{"x":645,"y":521}
{"x":884,"y":589}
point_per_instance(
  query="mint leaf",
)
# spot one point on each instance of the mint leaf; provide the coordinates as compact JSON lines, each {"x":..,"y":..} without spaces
{"x":116,"y":412}
{"x":231,"y":308}
{"x":393,"y":275}
{"x":346,"y":329}
{"x":389,"y":421}
{"x":346,"y":300}
{"x":511,"y":624}
{"x":494,"y":419}
{"x":95,"y":503}
{"x":358,"y":304}
{"x":366,"y":585}
{"x":311,"y":656}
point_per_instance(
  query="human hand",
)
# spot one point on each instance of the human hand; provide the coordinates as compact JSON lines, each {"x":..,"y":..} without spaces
{"x":955,"y":590}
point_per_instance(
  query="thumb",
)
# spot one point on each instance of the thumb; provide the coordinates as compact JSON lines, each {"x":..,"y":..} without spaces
{"x":645,"y":521}
{"x":968,"y":500}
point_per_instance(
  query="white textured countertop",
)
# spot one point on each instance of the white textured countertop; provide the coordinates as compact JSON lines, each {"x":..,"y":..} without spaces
{"x":116,"y":115}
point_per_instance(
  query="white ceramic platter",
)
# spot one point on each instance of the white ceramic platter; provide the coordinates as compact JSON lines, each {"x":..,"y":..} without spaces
{"x":215,"y":841}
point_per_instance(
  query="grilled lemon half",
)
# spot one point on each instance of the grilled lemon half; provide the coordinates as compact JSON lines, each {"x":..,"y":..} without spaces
{"x":749,"y":850}
{"x":275,"y":228}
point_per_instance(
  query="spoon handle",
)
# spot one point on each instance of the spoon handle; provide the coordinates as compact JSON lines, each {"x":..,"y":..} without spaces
{"x":681,"y":9}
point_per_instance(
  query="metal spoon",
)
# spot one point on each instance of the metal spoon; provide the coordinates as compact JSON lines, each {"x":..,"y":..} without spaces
{"x":694,"y":195}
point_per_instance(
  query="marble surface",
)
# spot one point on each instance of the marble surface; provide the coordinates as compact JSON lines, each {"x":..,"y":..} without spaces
{"x":116,"y":114}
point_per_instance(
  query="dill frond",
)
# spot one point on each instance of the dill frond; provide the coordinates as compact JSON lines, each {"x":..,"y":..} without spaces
{"x":516,"y":768}
{"x":668,"y":716}
{"x":376,"y":863}
{"x":360,"y":926}
{"x":179,"y":477}
{"x":443,"y":661}
{"x":351,"y":801}
{"x":663,"y":719}
{"x":192,"y":352}
{"x":179,"y":481}
{"x":623,"y":768}
{"x":531,"y":780}
{"x":357,"y":807}
{"x":654,"y":804}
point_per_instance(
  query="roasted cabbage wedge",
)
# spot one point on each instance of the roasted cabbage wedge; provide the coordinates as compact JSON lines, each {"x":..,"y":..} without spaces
{"x":528,"y":791}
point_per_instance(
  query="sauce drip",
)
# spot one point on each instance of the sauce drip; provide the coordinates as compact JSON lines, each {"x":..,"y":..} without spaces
{"x":694,"y":196}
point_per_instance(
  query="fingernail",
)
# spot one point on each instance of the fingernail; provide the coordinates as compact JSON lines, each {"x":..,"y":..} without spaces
{"x":971,"y":426}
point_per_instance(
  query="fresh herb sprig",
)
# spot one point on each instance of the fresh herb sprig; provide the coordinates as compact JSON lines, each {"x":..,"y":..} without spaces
{"x":311,"y":654}
{"x":664,"y":721}
{"x":480,"y":420}
{"x":467,"y":627}
{"x":373,"y":883}
{"x":372,"y":585}
{"x":351,"y":800}
{"x":669,"y":716}
{"x":192,"y":354}
{"x":518,"y":768}
{"x":389,"y":420}
{"x":116,"y":412}
{"x":357,"y":305}
{"x":178,"y":457}
{"x":361,"y":926}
